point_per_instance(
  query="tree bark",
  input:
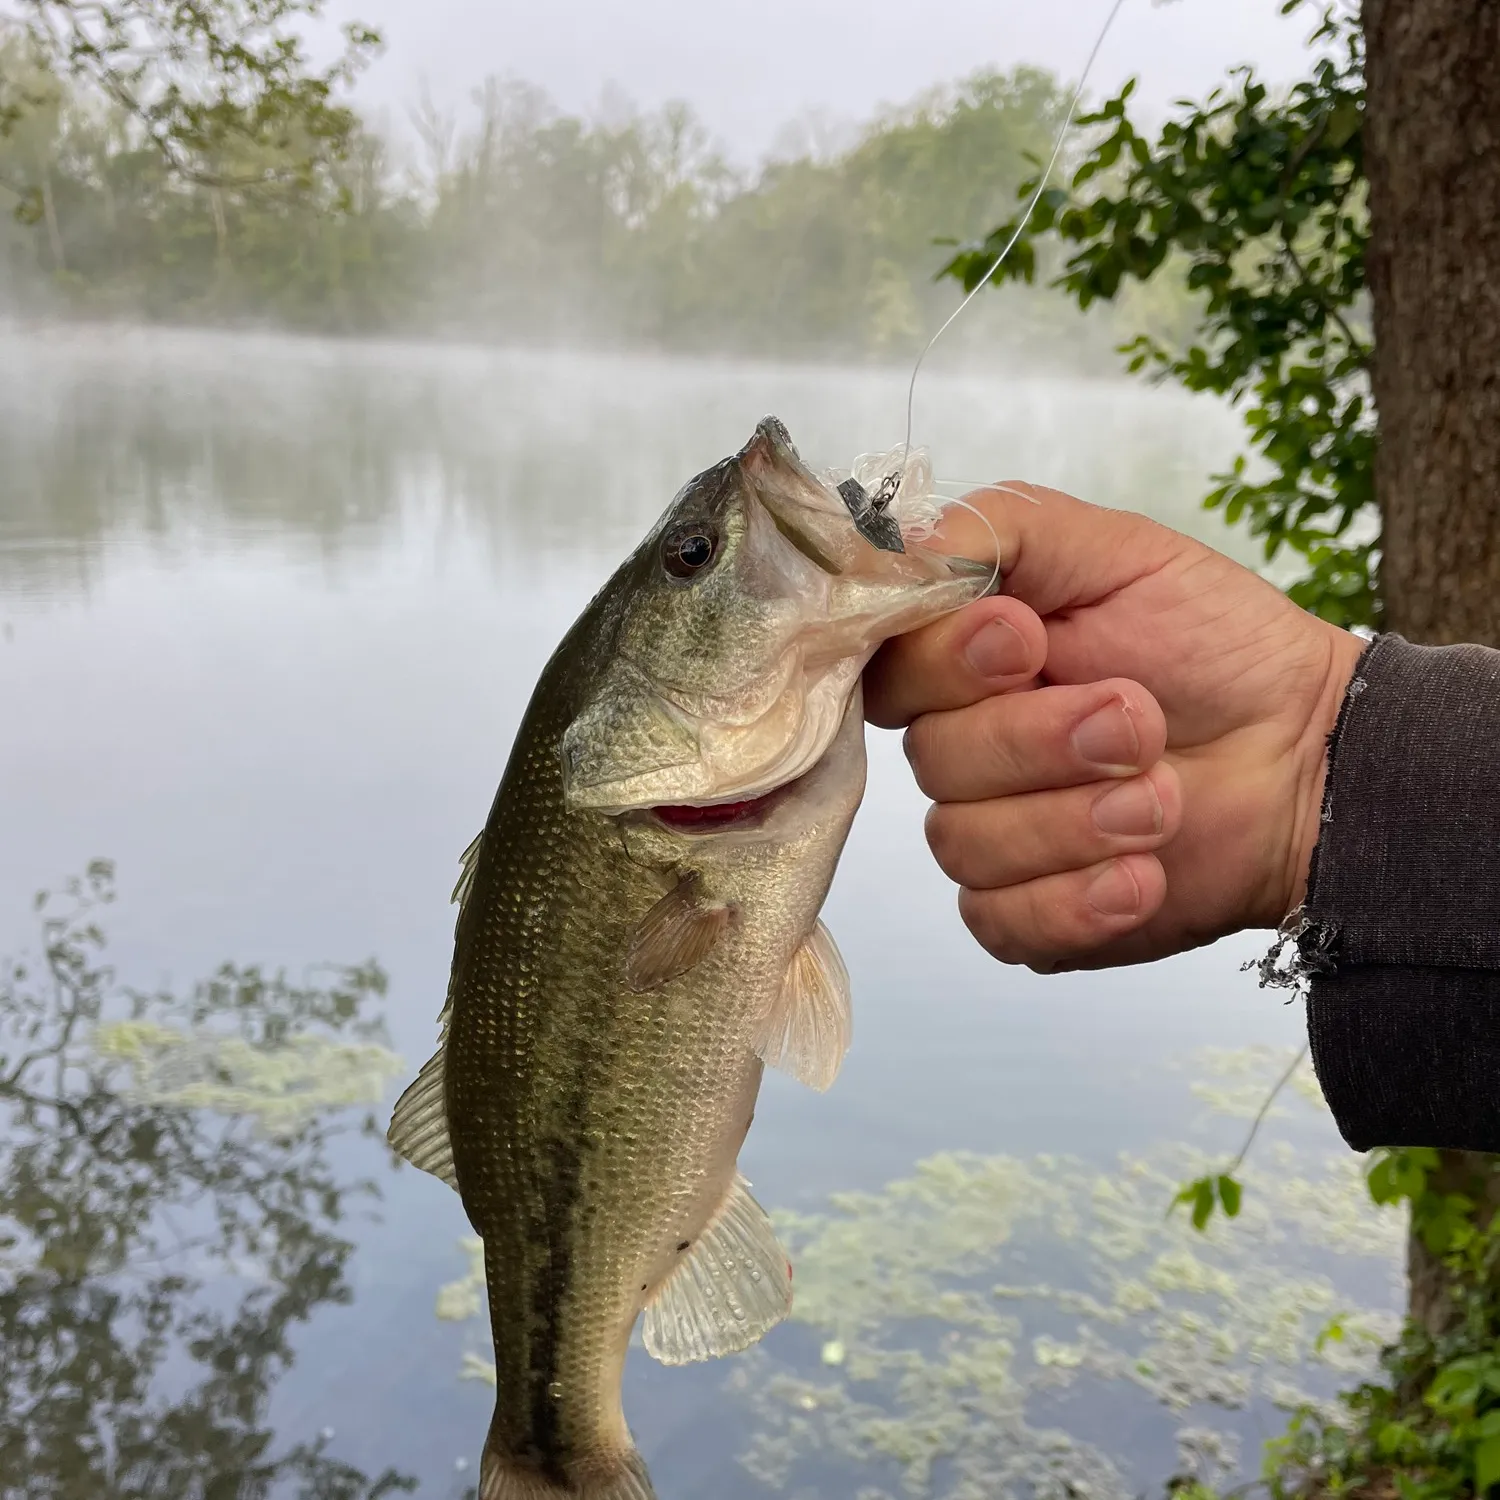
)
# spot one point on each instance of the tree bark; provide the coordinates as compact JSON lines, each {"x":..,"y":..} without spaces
{"x":1432,"y":155}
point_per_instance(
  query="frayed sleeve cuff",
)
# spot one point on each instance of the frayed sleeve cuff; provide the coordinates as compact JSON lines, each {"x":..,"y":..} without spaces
{"x":1401,"y":929}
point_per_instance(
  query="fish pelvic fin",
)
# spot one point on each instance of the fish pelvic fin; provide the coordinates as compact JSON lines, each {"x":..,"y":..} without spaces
{"x":808,"y":1028}
{"x":731,"y":1286}
{"x":505,"y":1478}
{"x":419,"y":1123}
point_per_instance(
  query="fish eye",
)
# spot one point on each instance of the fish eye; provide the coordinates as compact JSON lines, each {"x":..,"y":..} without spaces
{"x":689,"y":549}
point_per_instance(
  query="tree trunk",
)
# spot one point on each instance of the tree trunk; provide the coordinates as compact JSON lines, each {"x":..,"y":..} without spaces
{"x":49,"y":217}
{"x":221,"y":231}
{"x":1432,"y":154}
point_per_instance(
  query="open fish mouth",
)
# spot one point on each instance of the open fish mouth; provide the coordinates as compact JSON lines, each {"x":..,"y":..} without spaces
{"x":711,"y":817}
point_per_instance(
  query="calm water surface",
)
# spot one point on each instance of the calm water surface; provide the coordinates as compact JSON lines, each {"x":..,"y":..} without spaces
{"x":269,"y":614}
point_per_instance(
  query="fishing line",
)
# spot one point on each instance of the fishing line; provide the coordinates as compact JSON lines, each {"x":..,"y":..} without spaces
{"x":987,"y":484}
{"x":989,"y":526}
{"x":1010,"y":244}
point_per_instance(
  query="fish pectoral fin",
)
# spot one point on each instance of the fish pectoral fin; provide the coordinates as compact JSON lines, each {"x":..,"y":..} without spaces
{"x":731,"y":1286}
{"x":807,"y":1030}
{"x":676,"y":935}
{"x":419,"y":1123}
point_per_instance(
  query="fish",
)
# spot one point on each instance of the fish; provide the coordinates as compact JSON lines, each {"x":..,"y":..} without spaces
{"x":638,"y":936}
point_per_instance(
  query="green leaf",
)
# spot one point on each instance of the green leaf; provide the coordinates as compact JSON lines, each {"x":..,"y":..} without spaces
{"x":1203,"y":1204}
{"x":1487,"y":1464}
{"x":1229,"y":1195}
{"x":1200,"y":1194}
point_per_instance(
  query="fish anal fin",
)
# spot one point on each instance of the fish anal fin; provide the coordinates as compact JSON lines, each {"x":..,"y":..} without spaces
{"x":807,"y":1030}
{"x":419,"y":1123}
{"x":729,"y":1288}
{"x":676,"y":935}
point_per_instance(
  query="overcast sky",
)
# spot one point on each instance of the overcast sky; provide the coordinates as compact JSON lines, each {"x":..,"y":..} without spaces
{"x":749,"y":66}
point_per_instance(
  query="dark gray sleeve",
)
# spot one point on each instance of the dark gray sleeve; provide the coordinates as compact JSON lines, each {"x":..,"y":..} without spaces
{"x":1402,"y":933}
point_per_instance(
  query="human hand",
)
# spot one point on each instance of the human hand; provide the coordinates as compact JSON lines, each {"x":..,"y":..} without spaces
{"x":1125,"y":751}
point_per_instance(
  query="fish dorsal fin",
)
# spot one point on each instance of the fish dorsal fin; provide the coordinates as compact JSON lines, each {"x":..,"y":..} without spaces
{"x":731,"y":1285}
{"x":419,"y":1123}
{"x":807,"y":1030}
{"x":676,"y":935}
{"x":468,"y":861}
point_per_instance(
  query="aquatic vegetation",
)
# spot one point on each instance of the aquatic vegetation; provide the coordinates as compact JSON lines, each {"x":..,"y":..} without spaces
{"x":281,"y":1086}
{"x":980,"y":1326}
{"x":1234,"y":1080}
{"x":949,"y":1335}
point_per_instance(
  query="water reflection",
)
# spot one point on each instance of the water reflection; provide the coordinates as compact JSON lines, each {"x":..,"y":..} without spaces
{"x":176,"y":438}
{"x":157,"y":1259}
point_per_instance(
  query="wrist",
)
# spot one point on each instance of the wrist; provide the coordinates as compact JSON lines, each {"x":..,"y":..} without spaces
{"x":1340,"y":657}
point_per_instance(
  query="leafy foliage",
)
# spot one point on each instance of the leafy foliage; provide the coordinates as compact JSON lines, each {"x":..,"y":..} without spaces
{"x":1260,"y":201}
{"x":1204,"y":1193}
{"x":1431,"y":1429}
{"x":224,"y":90}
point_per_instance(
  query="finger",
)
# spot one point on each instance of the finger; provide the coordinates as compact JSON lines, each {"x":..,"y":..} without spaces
{"x":991,"y":647}
{"x":1055,"y":550}
{"x":1015,"y":839}
{"x":1064,"y":919}
{"x":1037,"y":741}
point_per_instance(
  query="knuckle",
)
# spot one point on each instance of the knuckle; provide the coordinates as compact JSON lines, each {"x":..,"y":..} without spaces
{"x":943,"y":831}
{"x":1062,"y":923}
{"x":984,"y":913}
{"x":999,"y":742}
{"x":920,"y":742}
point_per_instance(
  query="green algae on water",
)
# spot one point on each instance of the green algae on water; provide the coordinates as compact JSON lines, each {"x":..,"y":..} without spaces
{"x":280,"y":1086}
{"x":948,"y":1317}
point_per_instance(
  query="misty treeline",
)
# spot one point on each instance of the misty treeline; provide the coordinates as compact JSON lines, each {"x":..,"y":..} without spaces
{"x":512,"y":221}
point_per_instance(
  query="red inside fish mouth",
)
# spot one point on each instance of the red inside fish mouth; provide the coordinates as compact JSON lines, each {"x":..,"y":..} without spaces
{"x":719,"y":815}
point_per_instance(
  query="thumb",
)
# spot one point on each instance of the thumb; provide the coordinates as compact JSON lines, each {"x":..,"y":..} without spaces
{"x":1055,"y":551}
{"x":994,"y":645}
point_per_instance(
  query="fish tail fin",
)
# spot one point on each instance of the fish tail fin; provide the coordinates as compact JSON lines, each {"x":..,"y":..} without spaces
{"x":504,"y":1478}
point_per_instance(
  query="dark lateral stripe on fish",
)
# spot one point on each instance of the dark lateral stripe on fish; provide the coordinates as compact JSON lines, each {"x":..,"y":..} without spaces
{"x":551,"y":1293}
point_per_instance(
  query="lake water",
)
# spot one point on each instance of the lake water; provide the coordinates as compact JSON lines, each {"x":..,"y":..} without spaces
{"x":269,"y":614}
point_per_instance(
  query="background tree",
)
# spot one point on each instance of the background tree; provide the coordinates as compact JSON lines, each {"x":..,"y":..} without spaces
{"x":532,"y":225}
{"x":206,"y":83}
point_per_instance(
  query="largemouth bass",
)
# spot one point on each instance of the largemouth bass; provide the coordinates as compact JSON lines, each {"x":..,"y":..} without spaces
{"x":638,"y":935}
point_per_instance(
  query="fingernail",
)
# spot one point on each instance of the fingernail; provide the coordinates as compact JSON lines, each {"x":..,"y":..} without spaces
{"x":1132,"y":808}
{"x":1114,"y":892}
{"x":1107,"y":739}
{"x":996,"y":650}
